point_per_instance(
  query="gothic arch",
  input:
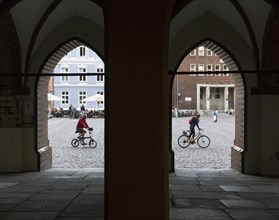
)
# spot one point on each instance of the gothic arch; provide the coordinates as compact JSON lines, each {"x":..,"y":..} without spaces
{"x":239,"y":146}
{"x":42,"y":147}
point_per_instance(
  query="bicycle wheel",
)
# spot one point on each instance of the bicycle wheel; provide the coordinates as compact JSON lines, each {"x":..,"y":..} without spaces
{"x":75,"y":142}
{"x":92,"y":143}
{"x":183,"y":141}
{"x":203,"y":141}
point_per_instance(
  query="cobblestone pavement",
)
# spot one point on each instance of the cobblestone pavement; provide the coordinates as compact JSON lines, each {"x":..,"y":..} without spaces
{"x":62,"y":131}
{"x":217,"y":155}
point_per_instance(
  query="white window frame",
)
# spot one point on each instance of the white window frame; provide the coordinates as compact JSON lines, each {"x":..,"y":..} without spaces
{"x":193,"y":52}
{"x":82,"y":51}
{"x":218,"y":69}
{"x":201,"y":51}
{"x":209,"y":70}
{"x":193,"y":69}
{"x":66,"y":97}
{"x":82,"y":95}
{"x":200,"y":69}
{"x":101,"y":93}
{"x":62,"y":70}
{"x":80,"y":70}
{"x":209,"y":52}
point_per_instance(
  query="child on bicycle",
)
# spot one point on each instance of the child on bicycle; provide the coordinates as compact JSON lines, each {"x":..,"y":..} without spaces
{"x":194,"y":122}
{"x":81,"y":125}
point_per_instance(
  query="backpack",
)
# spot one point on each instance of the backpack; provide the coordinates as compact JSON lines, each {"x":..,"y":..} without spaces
{"x":191,"y":120}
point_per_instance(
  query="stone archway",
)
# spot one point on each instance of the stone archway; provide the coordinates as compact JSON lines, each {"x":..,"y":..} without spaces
{"x":238,"y":147}
{"x":42,"y":82}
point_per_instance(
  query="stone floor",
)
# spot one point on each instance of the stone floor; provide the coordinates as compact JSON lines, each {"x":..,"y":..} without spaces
{"x":194,"y":194}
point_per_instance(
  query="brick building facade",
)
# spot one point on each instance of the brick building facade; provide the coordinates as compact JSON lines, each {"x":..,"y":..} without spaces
{"x":203,"y":91}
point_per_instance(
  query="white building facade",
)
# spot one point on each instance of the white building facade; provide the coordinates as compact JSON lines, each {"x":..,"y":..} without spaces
{"x":73,"y":89}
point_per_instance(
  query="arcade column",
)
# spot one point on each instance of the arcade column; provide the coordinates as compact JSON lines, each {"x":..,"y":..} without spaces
{"x":136,"y":137}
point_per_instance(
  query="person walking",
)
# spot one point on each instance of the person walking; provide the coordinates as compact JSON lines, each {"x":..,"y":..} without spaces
{"x":71,"y":109}
{"x":82,"y":110}
{"x":215,"y":115}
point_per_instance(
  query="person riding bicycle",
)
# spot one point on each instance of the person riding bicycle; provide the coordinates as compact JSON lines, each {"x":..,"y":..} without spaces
{"x":195,"y":122}
{"x":81,"y":125}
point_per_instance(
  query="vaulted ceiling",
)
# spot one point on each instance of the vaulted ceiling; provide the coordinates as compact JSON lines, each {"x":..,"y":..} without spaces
{"x":37,"y":22}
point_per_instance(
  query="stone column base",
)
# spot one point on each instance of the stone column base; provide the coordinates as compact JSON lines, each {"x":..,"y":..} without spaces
{"x":45,"y":158}
{"x":236,"y":158}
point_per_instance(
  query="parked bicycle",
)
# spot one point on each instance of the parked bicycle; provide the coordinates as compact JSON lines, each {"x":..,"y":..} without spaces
{"x":92,"y":143}
{"x":202,"y":140}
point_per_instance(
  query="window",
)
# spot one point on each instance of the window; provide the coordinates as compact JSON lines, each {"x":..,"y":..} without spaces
{"x":101,"y":93}
{"x":217,"y":93}
{"x":217,"y":68}
{"x":201,"y":69}
{"x":82,"y":95}
{"x":66,"y":77}
{"x":192,"y":69}
{"x":82,"y":78}
{"x":100,"y":78}
{"x":65,"y":97}
{"x":209,"y":69}
{"x":82,"y":51}
{"x":193,"y":52}
{"x":201,"y":51}
{"x":209,"y":52}
{"x":100,"y":70}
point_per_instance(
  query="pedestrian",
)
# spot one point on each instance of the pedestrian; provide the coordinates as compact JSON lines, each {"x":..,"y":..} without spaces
{"x":72,"y":110}
{"x":81,"y":126}
{"x":82,"y":110}
{"x":215,"y":115}
{"x":194,"y":121}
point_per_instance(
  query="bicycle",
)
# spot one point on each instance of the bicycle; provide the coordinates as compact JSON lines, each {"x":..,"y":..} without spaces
{"x":202,"y":140}
{"x":92,"y":143}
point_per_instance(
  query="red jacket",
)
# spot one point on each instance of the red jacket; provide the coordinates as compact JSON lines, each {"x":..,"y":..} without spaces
{"x":82,"y":123}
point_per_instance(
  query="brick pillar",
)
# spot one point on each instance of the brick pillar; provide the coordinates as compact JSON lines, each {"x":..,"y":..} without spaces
{"x":136,"y":168}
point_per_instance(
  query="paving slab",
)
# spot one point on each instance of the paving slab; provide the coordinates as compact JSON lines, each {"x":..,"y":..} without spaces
{"x":248,"y":204}
{"x":28,"y":215}
{"x":94,"y":191}
{"x":274,"y":212}
{"x":41,"y":206}
{"x":85,"y":205}
{"x":211,"y":188}
{"x":203,"y":195}
{"x":198,"y":213}
{"x":265,"y":188}
{"x":250,"y":214}
{"x":236,"y":188}
{"x":191,"y":188}
{"x":69,"y":185}
{"x":197,"y":203}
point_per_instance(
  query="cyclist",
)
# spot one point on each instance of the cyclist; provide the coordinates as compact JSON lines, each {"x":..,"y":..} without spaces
{"x":81,"y":125}
{"x":194,"y":123}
